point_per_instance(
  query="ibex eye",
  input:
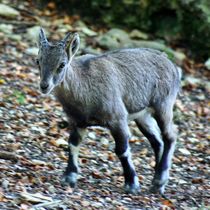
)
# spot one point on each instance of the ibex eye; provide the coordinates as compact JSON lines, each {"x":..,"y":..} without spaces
{"x":61,"y":65}
{"x":60,"y":68}
{"x":37,"y":62}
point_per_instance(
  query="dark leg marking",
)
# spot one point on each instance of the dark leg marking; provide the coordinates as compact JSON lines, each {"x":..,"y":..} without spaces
{"x":165,"y":122}
{"x":155,"y":143}
{"x":74,"y":145}
{"x":121,"y":136}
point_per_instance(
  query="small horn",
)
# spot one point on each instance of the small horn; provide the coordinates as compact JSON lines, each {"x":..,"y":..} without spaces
{"x":66,"y":39}
{"x":42,"y":37}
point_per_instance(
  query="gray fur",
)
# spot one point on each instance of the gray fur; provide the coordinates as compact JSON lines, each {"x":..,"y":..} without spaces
{"x":104,"y":90}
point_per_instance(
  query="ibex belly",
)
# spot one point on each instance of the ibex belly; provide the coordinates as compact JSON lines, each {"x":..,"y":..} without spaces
{"x":140,"y":114}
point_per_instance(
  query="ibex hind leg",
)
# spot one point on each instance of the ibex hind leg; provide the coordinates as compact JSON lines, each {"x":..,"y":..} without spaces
{"x":149,"y":128}
{"x":164,"y":118}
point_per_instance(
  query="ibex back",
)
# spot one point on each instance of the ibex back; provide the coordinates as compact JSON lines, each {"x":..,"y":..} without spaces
{"x":108,"y":90}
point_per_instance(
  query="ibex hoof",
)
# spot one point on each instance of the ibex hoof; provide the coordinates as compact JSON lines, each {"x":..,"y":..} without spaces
{"x":132,"y":189}
{"x":70,"y":179}
{"x":156,"y":188}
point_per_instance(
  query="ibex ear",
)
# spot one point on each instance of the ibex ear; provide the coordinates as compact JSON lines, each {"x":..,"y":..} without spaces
{"x":42,"y":38}
{"x":73,"y":46}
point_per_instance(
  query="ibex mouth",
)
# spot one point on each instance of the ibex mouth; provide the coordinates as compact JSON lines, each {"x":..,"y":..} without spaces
{"x":46,"y":90}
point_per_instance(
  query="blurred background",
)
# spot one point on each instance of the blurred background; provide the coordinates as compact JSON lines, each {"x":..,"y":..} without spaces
{"x":181,"y":23}
{"x":33,"y":127}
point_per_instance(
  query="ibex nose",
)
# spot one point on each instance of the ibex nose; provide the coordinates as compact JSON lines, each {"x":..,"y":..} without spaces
{"x":44,"y":85}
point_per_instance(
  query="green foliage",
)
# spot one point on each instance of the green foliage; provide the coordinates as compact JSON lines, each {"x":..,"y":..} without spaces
{"x":19,"y":97}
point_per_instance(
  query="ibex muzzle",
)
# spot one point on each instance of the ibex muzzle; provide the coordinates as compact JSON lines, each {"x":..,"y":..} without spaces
{"x":108,"y":90}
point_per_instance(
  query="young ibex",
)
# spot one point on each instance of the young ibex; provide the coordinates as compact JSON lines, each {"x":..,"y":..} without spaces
{"x":108,"y":90}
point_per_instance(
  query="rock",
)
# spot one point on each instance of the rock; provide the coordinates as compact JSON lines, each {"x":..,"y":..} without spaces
{"x":88,"y":32}
{"x":174,"y":55}
{"x":207,"y":64}
{"x":81,"y":26}
{"x":8,"y":11}
{"x":107,"y":42}
{"x":32,"y":51}
{"x":62,"y":29}
{"x":136,"y":34}
{"x":118,"y":34}
{"x":6,"y":28}
{"x":114,"y":38}
{"x":79,"y":23}
{"x":14,"y":37}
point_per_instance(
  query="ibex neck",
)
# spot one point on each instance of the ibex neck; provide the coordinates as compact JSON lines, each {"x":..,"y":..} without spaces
{"x":71,"y":87}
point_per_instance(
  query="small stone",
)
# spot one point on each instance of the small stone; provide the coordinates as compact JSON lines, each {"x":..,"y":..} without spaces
{"x":59,"y":142}
{"x":92,"y":135}
{"x":10,"y":136}
{"x":108,"y":199}
{"x":5,"y":184}
{"x":114,"y":202}
{"x":191,"y":80}
{"x":6,"y":28}
{"x":104,"y":141}
{"x":88,"y":32}
{"x":14,"y":37}
{"x":51,"y":189}
{"x":33,"y":33}
{"x":32,"y":51}
{"x":184,"y":151}
{"x":64,"y":29}
{"x":179,"y":57}
{"x":97,"y":205}
{"x":181,"y":181}
{"x":38,"y":162}
{"x":207,"y":64}
{"x":85,"y":203}
{"x":8,"y":11}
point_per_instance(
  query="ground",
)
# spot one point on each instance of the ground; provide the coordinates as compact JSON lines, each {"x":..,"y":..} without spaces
{"x":33,"y":139}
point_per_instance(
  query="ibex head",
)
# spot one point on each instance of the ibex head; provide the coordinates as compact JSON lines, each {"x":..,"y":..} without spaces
{"x":53,"y":59}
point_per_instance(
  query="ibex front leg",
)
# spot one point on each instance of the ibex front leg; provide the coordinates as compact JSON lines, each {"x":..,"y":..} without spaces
{"x":121,"y":134}
{"x":71,"y":172}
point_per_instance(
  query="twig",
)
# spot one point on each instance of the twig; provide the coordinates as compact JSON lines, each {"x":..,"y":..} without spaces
{"x":8,"y":156}
{"x":87,"y":156}
{"x":47,"y":204}
{"x":194,"y":201}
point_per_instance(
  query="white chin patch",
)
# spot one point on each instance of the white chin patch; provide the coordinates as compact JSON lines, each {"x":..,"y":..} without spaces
{"x":47,"y":91}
